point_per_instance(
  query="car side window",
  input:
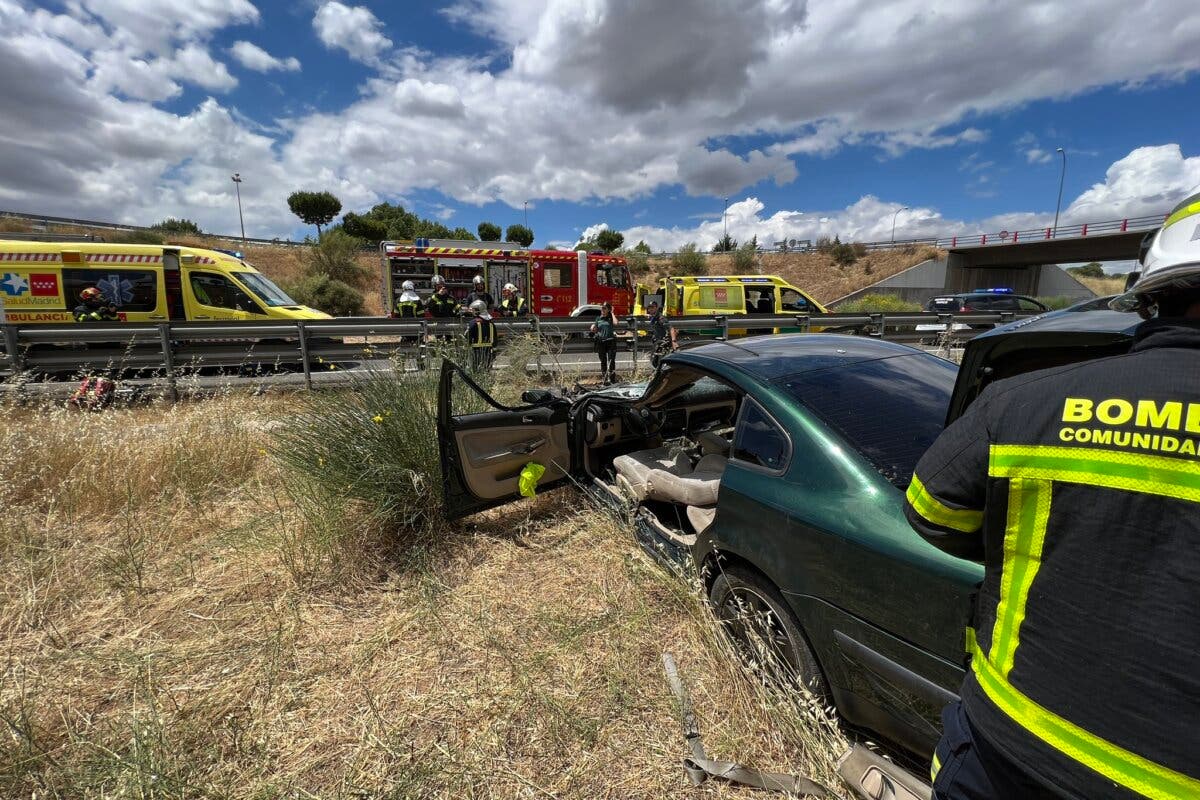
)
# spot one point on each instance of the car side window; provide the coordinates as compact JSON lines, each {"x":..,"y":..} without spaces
{"x":1028,"y":305}
{"x":791,"y":300}
{"x":758,"y":440}
{"x":219,"y":292}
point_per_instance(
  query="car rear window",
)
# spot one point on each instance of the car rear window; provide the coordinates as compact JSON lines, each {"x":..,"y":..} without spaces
{"x":943,"y":304}
{"x":889,"y":409}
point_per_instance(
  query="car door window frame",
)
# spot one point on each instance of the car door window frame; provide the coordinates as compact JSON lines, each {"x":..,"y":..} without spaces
{"x":748,"y":402}
{"x":254,"y":308}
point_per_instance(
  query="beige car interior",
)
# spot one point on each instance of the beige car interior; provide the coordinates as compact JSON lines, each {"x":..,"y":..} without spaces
{"x":494,"y":457}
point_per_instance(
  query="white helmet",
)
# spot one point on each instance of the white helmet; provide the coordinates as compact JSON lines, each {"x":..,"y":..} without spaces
{"x":1172,"y":261}
{"x":478,"y":307}
{"x":508,"y":287}
{"x":477,"y":280}
{"x":436,"y":281}
{"x":408,"y":286}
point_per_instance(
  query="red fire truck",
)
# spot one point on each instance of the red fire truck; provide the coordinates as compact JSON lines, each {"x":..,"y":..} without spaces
{"x":555,"y":283}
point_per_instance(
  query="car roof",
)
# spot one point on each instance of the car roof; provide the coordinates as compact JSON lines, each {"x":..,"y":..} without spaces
{"x":768,"y":358}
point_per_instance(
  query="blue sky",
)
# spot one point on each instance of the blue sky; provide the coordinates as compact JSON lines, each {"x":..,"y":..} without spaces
{"x":815,"y":118}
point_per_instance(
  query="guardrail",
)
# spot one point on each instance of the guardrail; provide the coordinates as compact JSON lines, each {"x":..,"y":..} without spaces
{"x":175,"y":349}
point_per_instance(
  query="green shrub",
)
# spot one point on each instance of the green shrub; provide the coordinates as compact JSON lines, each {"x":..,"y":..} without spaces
{"x":335,"y":255}
{"x":745,"y":258}
{"x":637,"y":261}
{"x":331,"y":296}
{"x":843,"y":254}
{"x":825,"y":244}
{"x":883,"y":303}
{"x":1058,"y":301}
{"x":138,"y":237}
{"x":689,"y":261}
{"x":178,"y":227}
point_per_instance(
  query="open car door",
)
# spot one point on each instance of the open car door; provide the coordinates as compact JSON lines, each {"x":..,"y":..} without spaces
{"x":484,"y":451}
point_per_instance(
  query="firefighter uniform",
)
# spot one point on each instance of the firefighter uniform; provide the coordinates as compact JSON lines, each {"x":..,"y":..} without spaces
{"x":513,"y":306}
{"x":441,"y":306}
{"x":1079,"y":488}
{"x":408,"y":307}
{"x":481,"y":335}
{"x":89,"y":312}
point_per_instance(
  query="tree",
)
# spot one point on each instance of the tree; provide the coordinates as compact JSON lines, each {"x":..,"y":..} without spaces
{"x":314,"y":208}
{"x":642,"y":247}
{"x":519,"y":234}
{"x":364,"y":227}
{"x":745,"y":258}
{"x":609,"y":240}
{"x":335,"y":255}
{"x":489,"y":232}
{"x":689,"y":261}
{"x":1093,"y":270}
{"x":177,"y":227}
{"x":726,"y":244}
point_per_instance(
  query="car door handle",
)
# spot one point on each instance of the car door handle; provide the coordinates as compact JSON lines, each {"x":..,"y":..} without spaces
{"x":201,"y":316}
{"x":522,"y":448}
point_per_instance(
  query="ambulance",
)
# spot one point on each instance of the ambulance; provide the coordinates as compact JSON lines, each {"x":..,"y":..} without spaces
{"x":40,"y":282}
{"x":730,"y":295}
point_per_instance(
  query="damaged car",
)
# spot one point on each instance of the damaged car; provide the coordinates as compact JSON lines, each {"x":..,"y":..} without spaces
{"x":776,"y":467}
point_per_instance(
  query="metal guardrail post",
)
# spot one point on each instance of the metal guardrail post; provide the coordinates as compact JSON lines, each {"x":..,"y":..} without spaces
{"x":1006,"y":317}
{"x":724,"y":327}
{"x":302,"y":336}
{"x":423,"y":346}
{"x":802,"y":322}
{"x":13,"y":347}
{"x":539,"y":342}
{"x":164,"y":338}
{"x":878,"y":325}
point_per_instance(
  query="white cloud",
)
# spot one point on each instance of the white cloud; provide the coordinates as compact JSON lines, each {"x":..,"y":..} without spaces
{"x":1149,"y":180}
{"x":353,"y":29}
{"x":1036,"y":155}
{"x":591,"y":232}
{"x":194,"y":65}
{"x":251,"y":56}
{"x":152,"y":24}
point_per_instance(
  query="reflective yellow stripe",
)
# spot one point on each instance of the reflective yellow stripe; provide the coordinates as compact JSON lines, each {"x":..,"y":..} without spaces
{"x":1115,"y":763}
{"x":1163,"y":476}
{"x":929,"y":507}
{"x":1024,"y":537}
{"x":935,"y":768}
{"x":1182,"y":213}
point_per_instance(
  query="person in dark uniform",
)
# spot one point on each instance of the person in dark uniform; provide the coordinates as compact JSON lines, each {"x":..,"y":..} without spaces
{"x":662,"y":335}
{"x":479,"y":292}
{"x":1078,"y":487}
{"x":605,"y":331}
{"x":481,"y":336}
{"x":441,"y":305}
{"x":408,"y":304}
{"x":94,"y":308}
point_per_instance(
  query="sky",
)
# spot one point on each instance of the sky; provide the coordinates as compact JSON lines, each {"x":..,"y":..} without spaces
{"x":667,"y":121}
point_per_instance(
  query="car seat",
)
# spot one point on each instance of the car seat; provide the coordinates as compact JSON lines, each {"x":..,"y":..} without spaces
{"x":634,"y":468}
{"x":696,"y":488}
{"x":701,"y":517}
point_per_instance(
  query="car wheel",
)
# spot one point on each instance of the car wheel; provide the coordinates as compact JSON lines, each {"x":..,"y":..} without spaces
{"x":764,"y":631}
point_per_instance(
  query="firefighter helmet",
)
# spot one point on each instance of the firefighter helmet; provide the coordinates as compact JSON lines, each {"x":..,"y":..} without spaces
{"x":508,"y":287}
{"x":90,"y":294}
{"x":408,"y":286}
{"x":1172,"y":261}
{"x":478,"y":307}
{"x":477,"y":280}
{"x":436,"y":281}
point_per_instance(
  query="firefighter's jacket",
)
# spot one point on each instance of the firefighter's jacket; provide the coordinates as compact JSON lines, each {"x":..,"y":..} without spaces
{"x":1079,"y":488}
{"x":513,"y":306}
{"x":86,"y":312}
{"x":441,"y":306}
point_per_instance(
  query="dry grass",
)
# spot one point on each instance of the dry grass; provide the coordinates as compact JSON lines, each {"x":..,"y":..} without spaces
{"x":816,"y":273}
{"x":1104,"y":286}
{"x":174,"y":627}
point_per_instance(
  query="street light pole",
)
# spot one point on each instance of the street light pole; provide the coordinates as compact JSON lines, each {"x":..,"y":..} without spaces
{"x":1062,"y":176}
{"x":898,"y":210}
{"x":725,"y":222}
{"x":237,"y":185}
{"x":526,"y":213}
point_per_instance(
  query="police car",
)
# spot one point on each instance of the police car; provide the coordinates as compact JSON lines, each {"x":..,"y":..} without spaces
{"x":988,"y":301}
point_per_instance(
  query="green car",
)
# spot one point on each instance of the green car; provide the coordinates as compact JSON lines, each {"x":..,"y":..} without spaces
{"x":776,"y":466}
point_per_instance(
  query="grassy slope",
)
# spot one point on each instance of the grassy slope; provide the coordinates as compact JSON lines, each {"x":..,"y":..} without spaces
{"x":815,"y":272}
{"x":174,"y":627}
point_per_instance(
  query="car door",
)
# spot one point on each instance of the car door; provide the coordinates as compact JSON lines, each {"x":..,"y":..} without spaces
{"x":485,"y":445}
{"x":212,"y":296}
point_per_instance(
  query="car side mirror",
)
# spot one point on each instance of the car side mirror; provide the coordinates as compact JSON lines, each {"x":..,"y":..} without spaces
{"x":536,"y":397}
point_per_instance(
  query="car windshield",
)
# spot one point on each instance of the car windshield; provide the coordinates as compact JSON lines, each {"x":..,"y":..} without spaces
{"x":890,"y":409}
{"x":266,"y":291}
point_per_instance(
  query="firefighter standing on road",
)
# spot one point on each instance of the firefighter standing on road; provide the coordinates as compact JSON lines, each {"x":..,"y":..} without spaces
{"x":513,"y":305}
{"x":441,"y":304}
{"x":408,"y":305}
{"x":481,"y":335}
{"x":1079,"y":489}
{"x":94,"y":308}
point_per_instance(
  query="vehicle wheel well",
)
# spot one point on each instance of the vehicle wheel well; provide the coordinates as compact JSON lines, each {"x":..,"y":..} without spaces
{"x":716,"y":560}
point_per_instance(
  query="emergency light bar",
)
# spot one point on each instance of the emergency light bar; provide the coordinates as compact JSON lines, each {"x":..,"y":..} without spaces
{"x":993,"y":291}
{"x":755,"y":280}
{"x":235,"y":253}
{"x":712,"y":280}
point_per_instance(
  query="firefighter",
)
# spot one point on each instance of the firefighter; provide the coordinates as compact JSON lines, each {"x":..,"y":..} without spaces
{"x":513,"y":305}
{"x":479,"y":292}
{"x":1078,"y":487}
{"x":94,"y":308}
{"x":441,"y":304}
{"x":481,"y":335}
{"x":662,"y":335}
{"x":408,"y":304}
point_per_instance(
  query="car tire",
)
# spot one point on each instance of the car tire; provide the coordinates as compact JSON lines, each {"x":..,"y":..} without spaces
{"x":765,"y":632}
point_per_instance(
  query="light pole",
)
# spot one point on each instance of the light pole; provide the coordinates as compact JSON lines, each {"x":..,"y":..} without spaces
{"x":725,"y":223}
{"x":526,"y":213}
{"x":1062,"y":176}
{"x":237,"y":185}
{"x":898,"y":210}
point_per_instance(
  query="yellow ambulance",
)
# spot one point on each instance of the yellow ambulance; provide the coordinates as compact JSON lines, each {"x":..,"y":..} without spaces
{"x":731,"y":295}
{"x":41,"y":282}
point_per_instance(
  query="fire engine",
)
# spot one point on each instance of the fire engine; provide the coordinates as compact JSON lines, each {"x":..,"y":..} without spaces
{"x":555,"y":283}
